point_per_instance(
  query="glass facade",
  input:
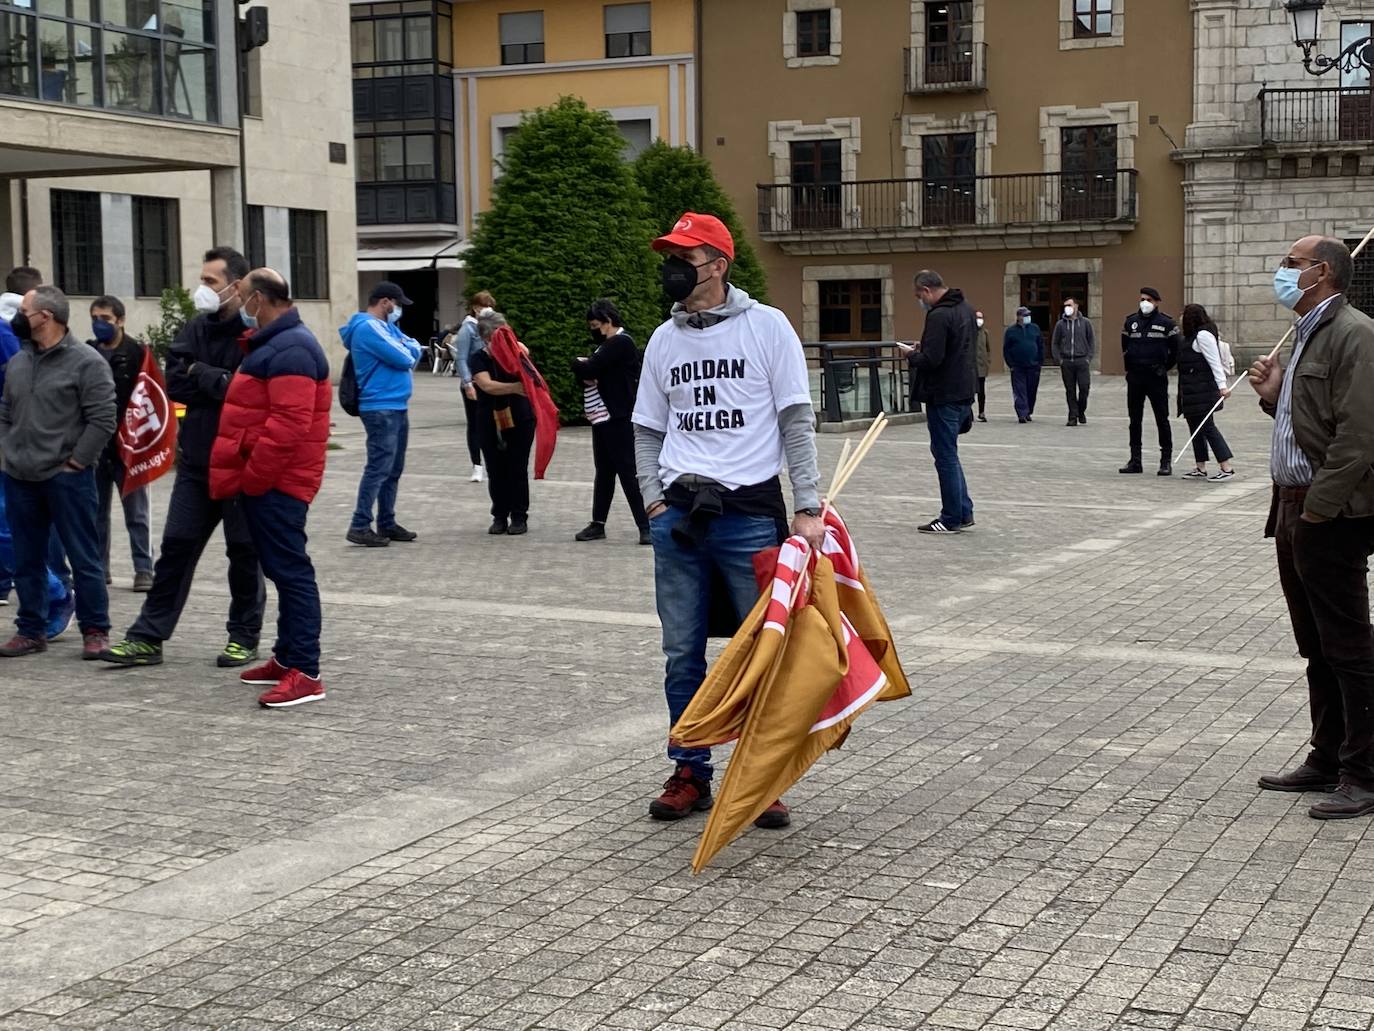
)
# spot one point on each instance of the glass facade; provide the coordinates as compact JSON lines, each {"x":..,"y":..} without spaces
{"x":403,"y":112}
{"x":153,"y":57}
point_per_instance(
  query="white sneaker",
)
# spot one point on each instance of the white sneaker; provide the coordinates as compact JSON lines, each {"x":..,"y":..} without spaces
{"x":478,"y":475}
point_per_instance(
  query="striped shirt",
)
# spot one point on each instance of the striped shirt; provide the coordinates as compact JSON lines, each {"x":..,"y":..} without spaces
{"x":1287,"y":464}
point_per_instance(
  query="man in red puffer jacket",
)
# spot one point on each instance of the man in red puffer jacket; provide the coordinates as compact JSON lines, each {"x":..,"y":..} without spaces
{"x":269,"y":452}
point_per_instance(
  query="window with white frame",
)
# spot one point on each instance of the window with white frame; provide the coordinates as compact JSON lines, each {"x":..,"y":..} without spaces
{"x":1086,"y":24}
{"x":811,"y":32}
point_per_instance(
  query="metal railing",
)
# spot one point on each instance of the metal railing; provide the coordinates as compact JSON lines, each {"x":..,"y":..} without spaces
{"x":976,"y":201}
{"x":859,"y":379}
{"x":946,"y":68}
{"x":1322,"y":114}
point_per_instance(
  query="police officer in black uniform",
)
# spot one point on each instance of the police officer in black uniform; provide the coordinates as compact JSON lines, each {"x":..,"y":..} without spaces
{"x":1149,"y":342}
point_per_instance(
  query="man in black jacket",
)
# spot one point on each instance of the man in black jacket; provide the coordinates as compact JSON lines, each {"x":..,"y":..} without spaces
{"x":200,"y":364}
{"x":944,"y":359}
{"x":1149,"y":342}
{"x":125,"y":355}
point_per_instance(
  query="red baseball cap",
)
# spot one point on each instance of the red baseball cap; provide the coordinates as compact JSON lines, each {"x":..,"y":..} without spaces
{"x":693,"y":230}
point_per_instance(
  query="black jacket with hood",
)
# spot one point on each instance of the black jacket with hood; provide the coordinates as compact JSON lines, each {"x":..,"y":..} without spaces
{"x":945,"y":362}
{"x":202,"y":360}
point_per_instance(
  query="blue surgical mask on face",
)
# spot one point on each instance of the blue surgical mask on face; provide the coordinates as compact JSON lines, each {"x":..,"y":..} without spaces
{"x":104,"y":331}
{"x":393,"y":316}
{"x":251,"y":321}
{"x":1025,"y":320}
{"x":1287,"y":289}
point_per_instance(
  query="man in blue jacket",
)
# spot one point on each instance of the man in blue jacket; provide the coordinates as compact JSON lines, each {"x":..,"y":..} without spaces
{"x":383,"y":358}
{"x":1023,"y":349}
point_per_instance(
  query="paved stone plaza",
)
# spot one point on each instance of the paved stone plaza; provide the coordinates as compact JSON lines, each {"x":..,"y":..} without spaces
{"x":1059,"y":829}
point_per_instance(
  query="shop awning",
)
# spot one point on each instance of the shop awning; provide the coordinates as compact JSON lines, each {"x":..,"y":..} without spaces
{"x":410,"y":255}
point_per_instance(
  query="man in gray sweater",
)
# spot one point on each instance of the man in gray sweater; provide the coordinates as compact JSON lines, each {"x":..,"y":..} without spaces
{"x":56,"y":416}
{"x":1072,"y":346}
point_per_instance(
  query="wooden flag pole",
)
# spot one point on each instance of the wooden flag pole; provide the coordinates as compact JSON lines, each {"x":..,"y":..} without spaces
{"x":1272,"y":355}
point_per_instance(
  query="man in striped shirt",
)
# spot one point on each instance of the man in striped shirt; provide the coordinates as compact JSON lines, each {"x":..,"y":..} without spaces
{"x":1322,"y":518}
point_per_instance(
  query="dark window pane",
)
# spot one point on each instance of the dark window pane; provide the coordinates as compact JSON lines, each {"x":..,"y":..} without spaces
{"x":419,"y":39}
{"x":419,"y":157}
{"x":391,"y":158}
{"x":157,"y":239}
{"x":257,"y":237}
{"x":77,"y":244}
{"x":365,"y":158}
{"x":17,"y":55}
{"x":190,"y":79}
{"x":309,"y":254}
{"x":813,"y":33}
{"x":364,"y":45}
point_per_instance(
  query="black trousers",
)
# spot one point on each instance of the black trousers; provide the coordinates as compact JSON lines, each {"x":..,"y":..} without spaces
{"x":1142,"y":386}
{"x":982,"y":394}
{"x":1211,"y":434}
{"x":1324,"y":568}
{"x":1078,"y":380}
{"x":474,"y":433}
{"x":191,"y":520}
{"x":613,"y":454}
{"x":507,"y":457}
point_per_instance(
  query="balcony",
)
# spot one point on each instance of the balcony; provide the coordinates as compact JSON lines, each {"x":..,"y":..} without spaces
{"x":1321,"y":116}
{"x":946,"y":69}
{"x":1033,"y":209}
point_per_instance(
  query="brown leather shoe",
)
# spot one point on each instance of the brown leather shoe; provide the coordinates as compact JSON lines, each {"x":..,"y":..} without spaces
{"x":1349,"y":801}
{"x":774,"y":818}
{"x":20,"y":645}
{"x":1305,"y":778}
{"x":684,"y":793}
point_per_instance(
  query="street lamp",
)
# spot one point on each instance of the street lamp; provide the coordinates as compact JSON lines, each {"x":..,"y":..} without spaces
{"x":1306,"y":15}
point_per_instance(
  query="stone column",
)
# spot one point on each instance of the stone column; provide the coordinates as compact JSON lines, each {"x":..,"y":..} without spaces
{"x":1218,"y":116}
{"x":226,"y":206}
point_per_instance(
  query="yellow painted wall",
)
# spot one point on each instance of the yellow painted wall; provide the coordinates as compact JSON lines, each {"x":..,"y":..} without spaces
{"x":574,"y":30}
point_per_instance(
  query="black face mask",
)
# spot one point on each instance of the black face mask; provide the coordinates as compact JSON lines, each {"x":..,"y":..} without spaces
{"x":21,"y":327}
{"x":680,"y":278}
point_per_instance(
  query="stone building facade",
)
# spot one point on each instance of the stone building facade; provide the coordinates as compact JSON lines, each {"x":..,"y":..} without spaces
{"x":1271,"y":154}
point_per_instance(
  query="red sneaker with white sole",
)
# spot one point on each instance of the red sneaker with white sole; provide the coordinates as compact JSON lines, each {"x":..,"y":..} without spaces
{"x":295,"y":689}
{"x":269,"y":673}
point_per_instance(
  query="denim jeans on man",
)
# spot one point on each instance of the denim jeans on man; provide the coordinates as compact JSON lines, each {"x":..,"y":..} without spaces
{"x":109,"y":480}
{"x":943,"y":421}
{"x":277,"y":522}
{"x":682,"y":583}
{"x":67,"y":503}
{"x":58,"y":613}
{"x":388,"y":433}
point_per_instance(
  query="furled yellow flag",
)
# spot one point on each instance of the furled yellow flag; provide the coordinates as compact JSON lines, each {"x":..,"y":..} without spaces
{"x":814,"y":653}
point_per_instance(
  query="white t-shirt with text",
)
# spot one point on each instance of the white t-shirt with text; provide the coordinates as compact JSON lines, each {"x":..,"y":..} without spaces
{"x":715,"y":394}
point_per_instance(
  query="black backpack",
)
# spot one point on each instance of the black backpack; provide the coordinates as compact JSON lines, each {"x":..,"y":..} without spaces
{"x":349,"y":395}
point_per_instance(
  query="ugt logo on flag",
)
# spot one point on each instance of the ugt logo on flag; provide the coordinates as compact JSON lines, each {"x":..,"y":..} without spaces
{"x":148,"y":431}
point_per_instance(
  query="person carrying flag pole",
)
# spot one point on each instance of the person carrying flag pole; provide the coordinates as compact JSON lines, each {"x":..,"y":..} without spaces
{"x":724,"y":403}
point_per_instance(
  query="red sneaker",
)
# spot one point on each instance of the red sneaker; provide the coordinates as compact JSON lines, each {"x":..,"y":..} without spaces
{"x":269,"y":673}
{"x":684,"y":793}
{"x":20,"y":645}
{"x":775,"y":817}
{"x":295,"y":689}
{"x":93,"y":643}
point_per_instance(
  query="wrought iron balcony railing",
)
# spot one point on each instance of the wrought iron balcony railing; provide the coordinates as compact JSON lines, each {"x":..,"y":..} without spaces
{"x":1316,"y":115}
{"x":947,"y":68}
{"x":907,"y":206}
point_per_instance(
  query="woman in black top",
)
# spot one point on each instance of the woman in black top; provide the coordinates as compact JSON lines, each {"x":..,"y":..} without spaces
{"x":506,"y":433}
{"x":1201,"y":384}
{"x":610,"y":377}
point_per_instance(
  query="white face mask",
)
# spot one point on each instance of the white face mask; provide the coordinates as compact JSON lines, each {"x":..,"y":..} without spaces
{"x":205,"y":299}
{"x":1147,"y":307}
{"x":980,"y":323}
{"x":1068,"y":311}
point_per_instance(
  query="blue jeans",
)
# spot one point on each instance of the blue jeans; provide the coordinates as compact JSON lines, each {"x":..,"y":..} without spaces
{"x":109,"y":478}
{"x":66,"y":503}
{"x":388,"y":433}
{"x":682,"y":583}
{"x":277,"y":522}
{"x":956,"y":508}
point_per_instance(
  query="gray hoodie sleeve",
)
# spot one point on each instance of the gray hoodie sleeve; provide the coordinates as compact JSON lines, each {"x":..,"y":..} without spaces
{"x":648,"y":447}
{"x":97,"y":389}
{"x":798,"y":426}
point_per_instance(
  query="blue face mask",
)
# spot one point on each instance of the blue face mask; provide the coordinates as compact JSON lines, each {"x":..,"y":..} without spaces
{"x":1286,"y":287}
{"x":251,"y":321}
{"x":103,"y":331}
{"x":393,"y":316}
{"x":1025,"y":320}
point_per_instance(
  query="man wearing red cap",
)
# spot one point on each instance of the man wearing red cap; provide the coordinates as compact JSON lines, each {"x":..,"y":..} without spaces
{"x":724,"y":403}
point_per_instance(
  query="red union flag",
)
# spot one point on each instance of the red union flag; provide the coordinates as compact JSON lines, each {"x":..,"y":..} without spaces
{"x":148,"y":431}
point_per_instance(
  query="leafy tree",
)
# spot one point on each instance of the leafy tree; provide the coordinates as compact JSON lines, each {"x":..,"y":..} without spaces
{"x":567,"y":224}
{"x":678,"y":179}
{"x":176,"y":309}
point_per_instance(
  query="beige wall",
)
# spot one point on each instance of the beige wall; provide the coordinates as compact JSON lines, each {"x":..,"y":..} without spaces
{"x":307,"y":86}
{"x":1027,"y":71}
